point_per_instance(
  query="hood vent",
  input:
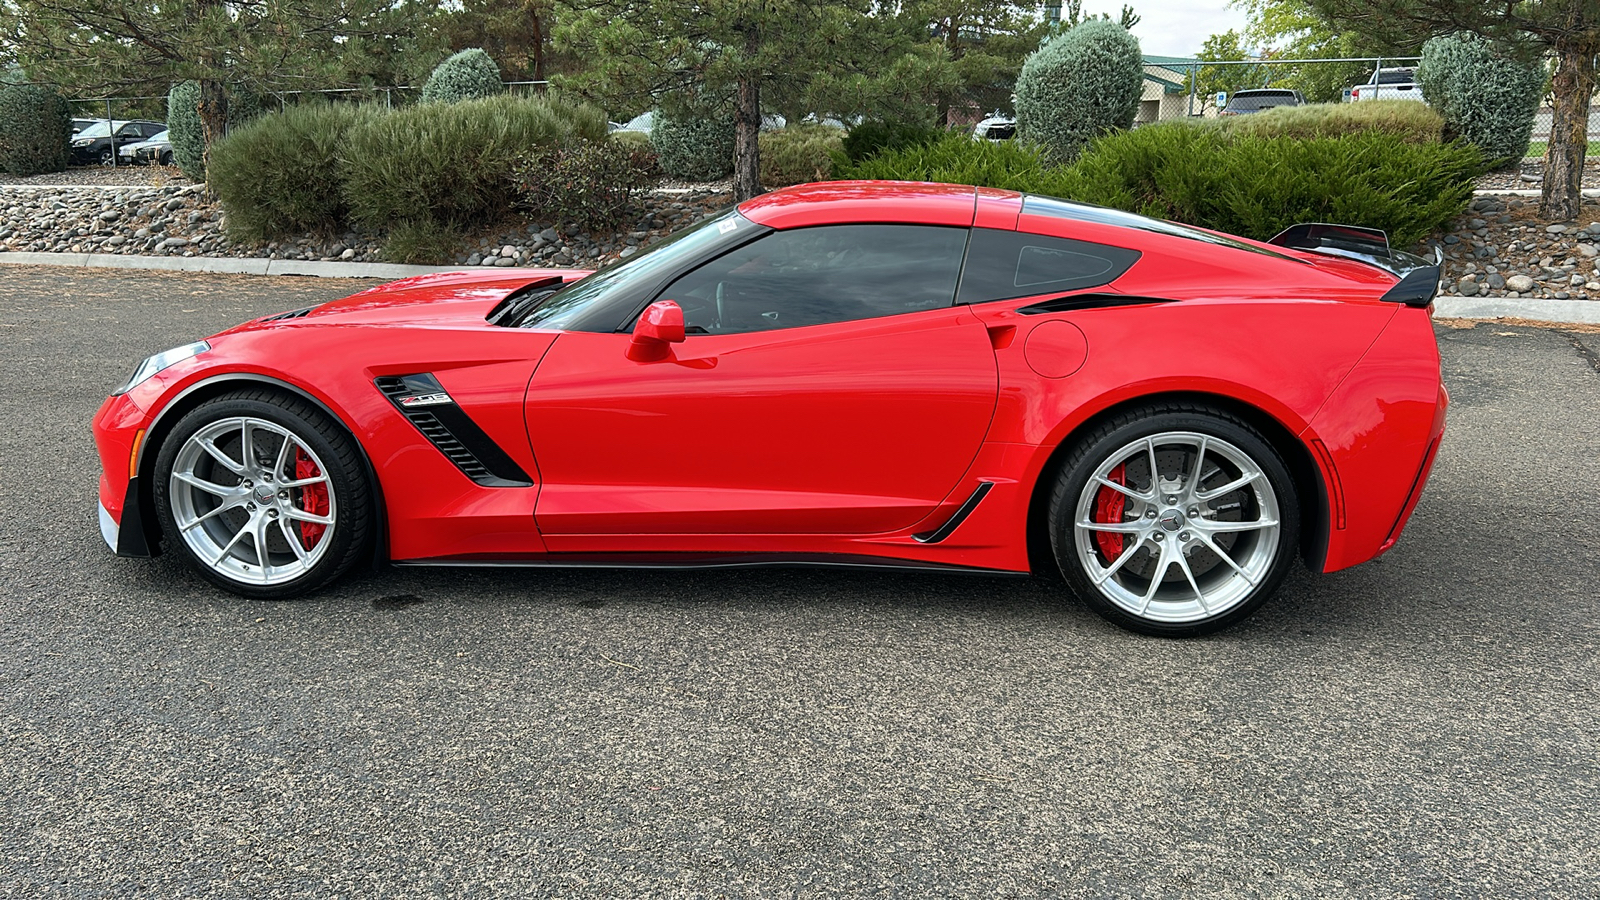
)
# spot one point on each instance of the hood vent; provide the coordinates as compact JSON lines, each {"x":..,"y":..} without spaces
{"x":425,"y":404}
{"x":291,"y":314}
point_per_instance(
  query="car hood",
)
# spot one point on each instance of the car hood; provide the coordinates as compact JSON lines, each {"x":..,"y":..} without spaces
{"x":444,"y":298}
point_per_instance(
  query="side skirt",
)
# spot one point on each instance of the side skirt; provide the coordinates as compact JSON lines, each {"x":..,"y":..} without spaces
{"x":704,"y":561}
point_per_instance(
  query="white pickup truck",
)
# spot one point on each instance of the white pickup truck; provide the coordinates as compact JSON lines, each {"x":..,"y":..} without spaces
{"x":1389,"y":84}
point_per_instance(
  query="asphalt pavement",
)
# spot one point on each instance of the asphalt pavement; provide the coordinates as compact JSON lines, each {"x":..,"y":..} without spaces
{"x":1421,"y":726}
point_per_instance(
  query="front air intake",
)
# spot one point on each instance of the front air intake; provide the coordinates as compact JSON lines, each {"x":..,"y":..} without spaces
{"x":425,"y":404}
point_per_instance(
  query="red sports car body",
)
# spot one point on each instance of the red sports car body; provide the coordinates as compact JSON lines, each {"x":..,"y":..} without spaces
{"x":893,"y":374}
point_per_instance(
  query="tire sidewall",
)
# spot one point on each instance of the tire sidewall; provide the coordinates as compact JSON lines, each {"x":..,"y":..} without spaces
{"x":347,"y":486}
{"x":1096,"y":447}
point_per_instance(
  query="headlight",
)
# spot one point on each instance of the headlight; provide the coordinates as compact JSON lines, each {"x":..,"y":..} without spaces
{"x":162,"y":360}
{"x":82,"y":142}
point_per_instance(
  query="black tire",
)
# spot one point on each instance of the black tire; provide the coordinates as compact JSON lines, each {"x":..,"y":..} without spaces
{"x":347,"y":539}
{"x":106,"y":156}
{"x":1109,"y":441}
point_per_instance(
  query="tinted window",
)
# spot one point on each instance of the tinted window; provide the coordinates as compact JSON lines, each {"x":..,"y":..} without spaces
{"x":1002,"y":265}
{"x":1083,"y":212}
{"x":813,"y":276}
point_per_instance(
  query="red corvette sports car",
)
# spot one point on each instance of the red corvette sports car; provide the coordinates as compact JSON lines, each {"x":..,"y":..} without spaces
{"x":887,"y":374}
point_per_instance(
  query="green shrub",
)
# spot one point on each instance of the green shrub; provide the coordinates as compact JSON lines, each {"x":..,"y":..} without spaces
{"x":1484,"y":96}
{"x":451,"y":164}
{"x":188,"y":135}
{"x":798,"y":154}
{"x":280,"y":173}
{"x":35,"y":126}
{"x":959,"y":159}
{"x":1079,"y":86}
{"x":634,"y":140}
{"x":595,"y":184}
{"x":1406,"y":119}
{"x":694,"y":146}
{"x":870,"y":137}
{"x":468,"y":75}
{"x":1222,"y":178}
{"x":423,"y":243}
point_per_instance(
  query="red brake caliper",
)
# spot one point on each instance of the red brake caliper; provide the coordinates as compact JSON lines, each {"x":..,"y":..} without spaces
{"x":314,"y":498}
{"x":1108,"y":507}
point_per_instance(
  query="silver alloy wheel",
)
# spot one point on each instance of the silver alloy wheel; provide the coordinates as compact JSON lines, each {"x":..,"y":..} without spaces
{"x":240,"y":491}
{"x":1177,"y":527}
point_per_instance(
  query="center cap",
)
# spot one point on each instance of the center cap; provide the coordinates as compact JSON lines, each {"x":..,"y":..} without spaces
{"x":263,"y":493}
{"x":1171,"y":520}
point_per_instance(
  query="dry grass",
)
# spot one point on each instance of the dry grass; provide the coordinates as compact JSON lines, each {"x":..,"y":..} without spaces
{"x":1406,"y":119}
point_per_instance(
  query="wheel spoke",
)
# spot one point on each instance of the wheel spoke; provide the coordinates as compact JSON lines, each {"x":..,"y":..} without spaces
{"x":215,"y":490}
{"x":1228,"y":488}
{"x":1216,"y":527}
{"x":1114,"y":527}
{"x":300,"y":515}
{"x":216,"y":453}
{"x":210,"y":515}
{"x":1206,"y":539}
{"x":1199,"y":463}
{"x":1156,"y":577}
{"x":1155,"y":475}
{"x":246,"y":451}
{"x":283,"y":456}
{"x":260,"y":538}
{"x":1122,"y":488}
{"x":294,"y":541}
{"x":1199,"y":595}
{"x":315,"y":479}
{"x":1133,"y":547}
{"x":223,"y":553}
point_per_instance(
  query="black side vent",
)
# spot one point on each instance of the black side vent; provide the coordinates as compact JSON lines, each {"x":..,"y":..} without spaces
{"x":291,"y":314}
{"x":424,"y":402}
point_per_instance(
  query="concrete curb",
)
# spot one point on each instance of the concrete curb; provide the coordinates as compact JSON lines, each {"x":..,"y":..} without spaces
{"x":229,"y":265}
{"x":1575,"y":312}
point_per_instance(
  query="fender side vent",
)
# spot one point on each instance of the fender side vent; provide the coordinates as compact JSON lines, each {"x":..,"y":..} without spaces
{"x":425,"y":404}
{"x":291,"y":314}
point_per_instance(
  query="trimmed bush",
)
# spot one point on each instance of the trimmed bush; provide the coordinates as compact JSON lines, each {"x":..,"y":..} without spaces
{"x":452,"y":164}
{"x":1080,"y":85}
{"x":694,"y":146}
{"x":633,"y":140}
{"x":467,"y":75}
{"x":592,"y":183}
{"x":279,"y":174}
{"x":798,"y":154}
{"x":186,"y":132}
{"x":871,"y":137}
{"x":35,"y":126}
{"x":1222,"y":178}
{"x":1484,"y":96}
{"x":957,"y":158}
{"x":1406,"y":119}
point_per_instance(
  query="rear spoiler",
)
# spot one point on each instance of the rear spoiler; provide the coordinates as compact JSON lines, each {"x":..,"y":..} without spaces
{"x":1419,"y":278}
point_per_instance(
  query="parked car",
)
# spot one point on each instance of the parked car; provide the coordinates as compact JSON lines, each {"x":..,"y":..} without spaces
{"x":880,"y":374}
{"x":1389,"y":84}
{"x":996,"y":128}
{"x":1257,"y":99}
{"x":79,"y":125}
{"x":157,"y":150}
{"x":99,"y":143}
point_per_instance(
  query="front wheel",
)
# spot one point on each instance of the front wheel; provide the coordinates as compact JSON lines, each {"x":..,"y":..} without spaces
{"x":262,"y":494}
{"x":1174,"y":520}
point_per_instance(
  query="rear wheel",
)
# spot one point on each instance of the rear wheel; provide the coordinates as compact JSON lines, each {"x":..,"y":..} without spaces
{"x":262,"y":494}
{"x":1174,"y":520}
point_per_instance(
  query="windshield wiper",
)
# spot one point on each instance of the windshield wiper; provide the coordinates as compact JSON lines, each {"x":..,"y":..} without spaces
{"x":510,"y":312}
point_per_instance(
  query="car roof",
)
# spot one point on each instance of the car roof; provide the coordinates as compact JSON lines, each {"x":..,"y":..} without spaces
{"x":863,"y":201}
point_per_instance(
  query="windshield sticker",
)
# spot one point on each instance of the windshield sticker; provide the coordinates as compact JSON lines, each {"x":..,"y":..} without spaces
{"x":729,"y":225}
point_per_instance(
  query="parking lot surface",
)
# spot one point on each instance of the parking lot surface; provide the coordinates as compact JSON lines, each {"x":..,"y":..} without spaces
{"x":1421,"y":726}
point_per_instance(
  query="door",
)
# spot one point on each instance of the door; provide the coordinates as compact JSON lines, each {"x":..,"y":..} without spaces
{"x":827,"y":385}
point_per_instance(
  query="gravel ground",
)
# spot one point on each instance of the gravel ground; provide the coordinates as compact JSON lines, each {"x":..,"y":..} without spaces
{"x":1421,"y":726}
{"x":107,"y":176}
{"x":1528,"y":175}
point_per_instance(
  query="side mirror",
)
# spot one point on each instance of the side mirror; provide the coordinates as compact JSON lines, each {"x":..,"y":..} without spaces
{"x":657,"y":330}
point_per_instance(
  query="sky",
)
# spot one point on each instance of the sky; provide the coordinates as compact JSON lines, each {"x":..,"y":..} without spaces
{"x":1174,"y":27}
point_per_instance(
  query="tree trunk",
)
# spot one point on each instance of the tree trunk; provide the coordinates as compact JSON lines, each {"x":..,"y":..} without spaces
{"x":1572,"y":85}
{"x":746,"y":139}
{"x":213,"y":110}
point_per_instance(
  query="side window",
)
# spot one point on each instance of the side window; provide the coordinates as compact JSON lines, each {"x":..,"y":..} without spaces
{"x":1004,"y":265}
{"x":814,"y":276}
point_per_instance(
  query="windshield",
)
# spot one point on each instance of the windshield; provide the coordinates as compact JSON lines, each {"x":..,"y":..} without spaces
{"x":565,"y":305}
{"x":98,"y":129}
{"x":160,"y":136}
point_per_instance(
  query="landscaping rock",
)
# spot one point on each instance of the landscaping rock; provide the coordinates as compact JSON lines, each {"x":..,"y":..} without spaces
{"x":1519,"y":283}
